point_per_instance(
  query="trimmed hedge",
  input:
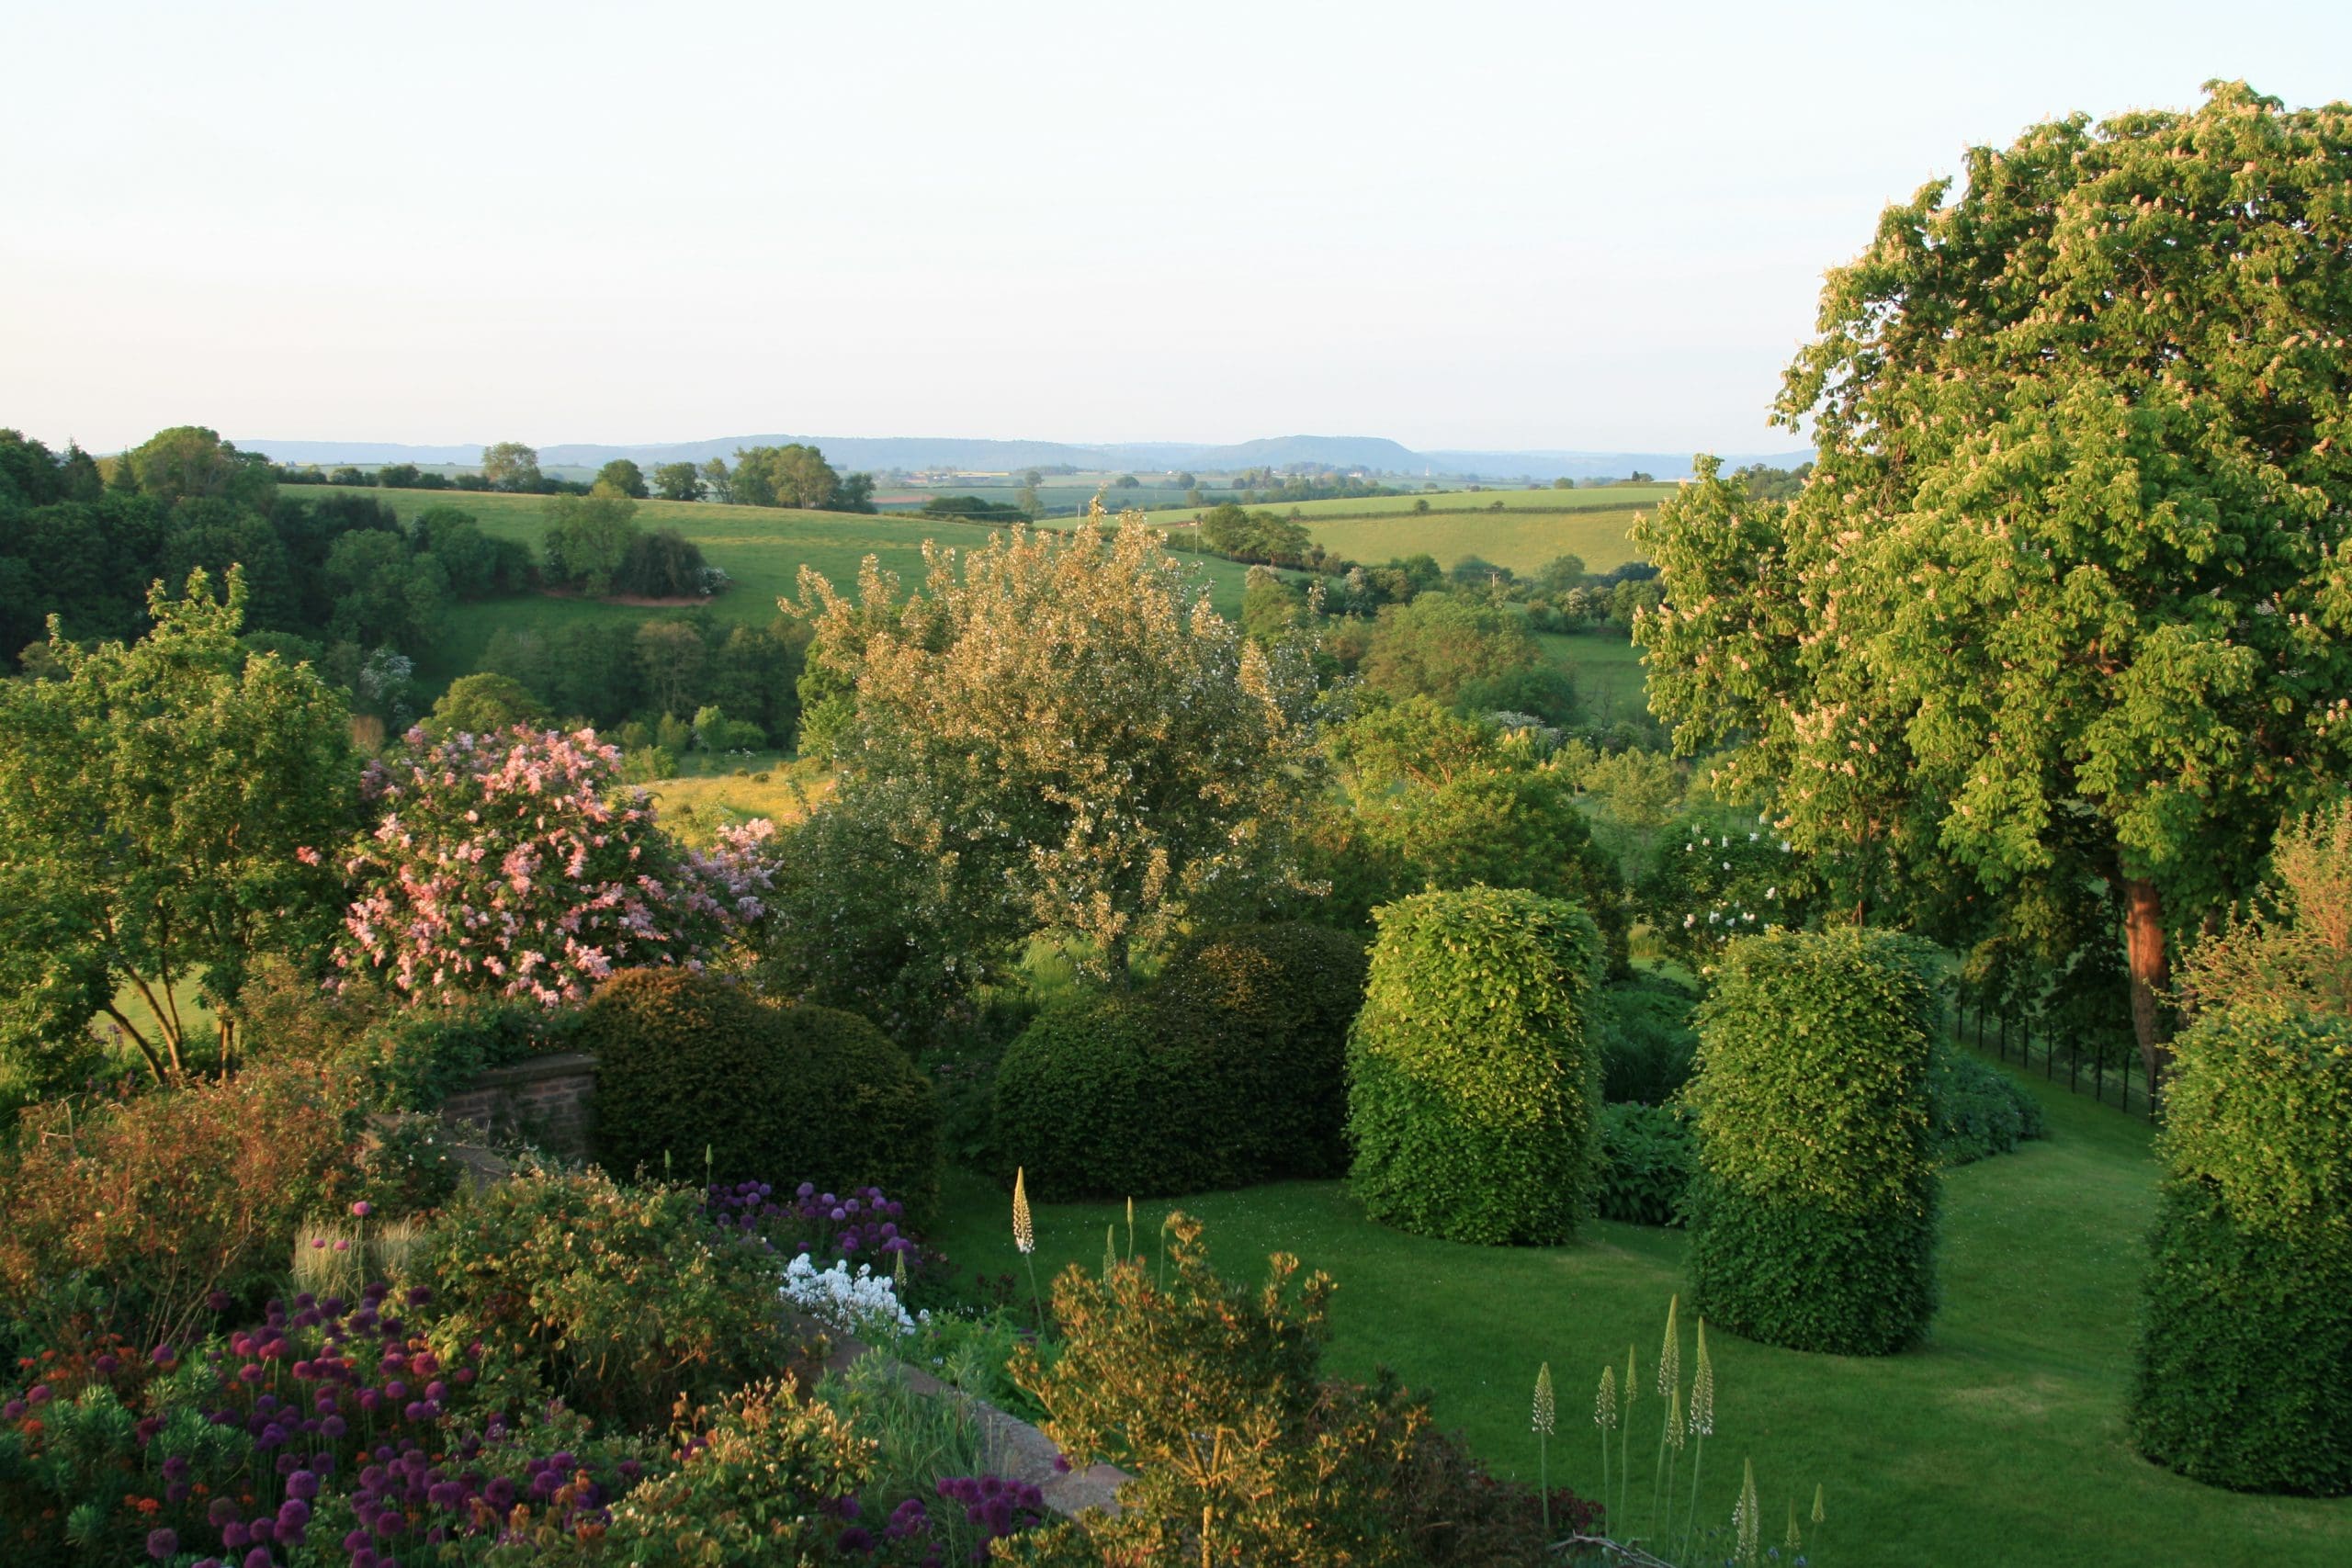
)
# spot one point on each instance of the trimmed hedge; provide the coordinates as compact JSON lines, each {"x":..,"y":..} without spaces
{"x":1230,"y":1069}
{"x":2248,"y":1326}
{"x":1474,"y":1084}
{"x":687,"y":1061}
{"x":1812,"y":1216}
{"x":1277,"y":999}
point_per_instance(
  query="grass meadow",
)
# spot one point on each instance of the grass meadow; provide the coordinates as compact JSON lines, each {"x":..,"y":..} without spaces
{"x":761,"y":548}
{"x":2002,"y":1440}
{"x":1530,"y":528}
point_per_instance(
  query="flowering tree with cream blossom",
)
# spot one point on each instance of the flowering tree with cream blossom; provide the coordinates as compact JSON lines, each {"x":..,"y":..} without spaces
{"x":519,"y":863}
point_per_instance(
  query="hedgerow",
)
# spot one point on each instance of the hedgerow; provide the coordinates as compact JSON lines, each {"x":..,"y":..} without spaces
{"x":1814,"y":1213}
{"x":1473,"y":1083}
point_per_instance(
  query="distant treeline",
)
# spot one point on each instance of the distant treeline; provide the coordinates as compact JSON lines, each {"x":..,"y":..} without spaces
{"x":793,"y":475}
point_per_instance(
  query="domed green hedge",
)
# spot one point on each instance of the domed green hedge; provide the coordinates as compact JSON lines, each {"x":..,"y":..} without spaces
{"x":1474,"y":1077}
{"x":2248,"y":1321}
{"x":1224,"y":1071}
{"x":1813,"y":1217}
{"x":1276,"y":1001}
{"x":687,"y":1061}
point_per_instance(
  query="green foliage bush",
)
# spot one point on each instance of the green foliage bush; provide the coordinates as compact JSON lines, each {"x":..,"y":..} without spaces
{"x":1647,"y":1043}
{"x":619,"y":1300}
{"x":1473,"y":1080}
{"x":2247,"y":1325}
{"x":1977,"y":1109}
{"x":1648,"y":1155}
{"x":688,"y":1062}
{"x":1228,"y":1069}
{"x":1814,"y":1214}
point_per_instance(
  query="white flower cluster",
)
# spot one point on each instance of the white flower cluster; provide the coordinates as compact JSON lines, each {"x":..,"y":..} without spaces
{"x":865,"y":1304}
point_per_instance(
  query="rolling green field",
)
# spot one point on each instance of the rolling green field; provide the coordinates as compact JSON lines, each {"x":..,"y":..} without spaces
{"x":761,"y":548}
{"x":1607,"y":668}
{"x":2001,"y":1441}
{"x":1532,"y":528}
{"x":1609,"y":498}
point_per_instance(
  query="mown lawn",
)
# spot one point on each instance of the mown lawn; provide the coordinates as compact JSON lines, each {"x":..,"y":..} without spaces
{"x":1607,"y":668}
{"x":2002,"y":1441}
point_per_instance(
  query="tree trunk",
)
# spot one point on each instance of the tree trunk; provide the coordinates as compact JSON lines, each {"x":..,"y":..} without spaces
{"x":2151,"y":966}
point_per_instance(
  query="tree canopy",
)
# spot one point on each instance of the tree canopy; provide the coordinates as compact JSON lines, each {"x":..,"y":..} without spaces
{"x":1065,"y":716}
{"x":2065,"y":593}
{"x":171,"y":808}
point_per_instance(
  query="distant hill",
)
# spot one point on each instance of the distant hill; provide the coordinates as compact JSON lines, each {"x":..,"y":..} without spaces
{"x":1371,"y":452}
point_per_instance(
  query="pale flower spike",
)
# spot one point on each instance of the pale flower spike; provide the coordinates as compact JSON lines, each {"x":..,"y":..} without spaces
{"x":1544,"y":1412}
{"x":1024,"y":1235}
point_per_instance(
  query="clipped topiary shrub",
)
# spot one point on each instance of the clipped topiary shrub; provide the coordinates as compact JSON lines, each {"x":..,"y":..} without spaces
{"x":1270,"y":1005}
{"x":2248,"y":1321}
{"x":1228,"y":1069}
{"x":1079,"y":1105}
{"x":1474,"y":1084}
{"x":1648,"y":1155}
{"x":1812,"y":1216}
{"x":686,"y":1062}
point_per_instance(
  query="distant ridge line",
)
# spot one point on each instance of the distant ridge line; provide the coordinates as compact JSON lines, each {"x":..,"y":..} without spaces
{"x":1372,"y":453}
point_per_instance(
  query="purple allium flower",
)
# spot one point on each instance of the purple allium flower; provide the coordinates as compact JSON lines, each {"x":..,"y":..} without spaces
{"x":163,"y":1543}
{"x":302,"y":1483}
{"x":499,"y":1494}
{"x":362,"y":1208}
{"x":12,"y":1410}
{"x":857,"y":1538}
{"x":234,"y":1535}
{"x":419,"y":1294}
{"x":342,"y":1243}
{"x":108,"y":1365}
{"x":162,"y":1354}
{"x":259,"y":1557}
{"x":218,"y":1301}
{"x":38,"y":1395}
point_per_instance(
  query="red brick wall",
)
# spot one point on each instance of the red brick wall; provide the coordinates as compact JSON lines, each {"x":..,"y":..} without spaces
{"x":547,"y":1100}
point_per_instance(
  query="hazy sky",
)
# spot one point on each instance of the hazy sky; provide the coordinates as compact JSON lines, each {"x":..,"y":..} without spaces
{"x":1466,"y":224}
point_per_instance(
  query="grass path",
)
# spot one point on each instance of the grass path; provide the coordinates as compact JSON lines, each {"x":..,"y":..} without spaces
{"x":2001,"y":1442}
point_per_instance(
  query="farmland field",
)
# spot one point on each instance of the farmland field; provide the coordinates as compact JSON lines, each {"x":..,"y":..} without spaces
{"x":1607,"y":668}
{"x":761,"y":548}
{"x":1609,"y":498}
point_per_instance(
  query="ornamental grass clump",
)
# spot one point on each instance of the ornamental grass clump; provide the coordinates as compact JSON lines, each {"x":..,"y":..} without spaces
{"x":1474,"y":1084}
{"x":2248,"y":1323}
{"x":1812,"y":1216}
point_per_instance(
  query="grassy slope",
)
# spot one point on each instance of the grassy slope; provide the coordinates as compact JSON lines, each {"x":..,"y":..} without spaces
{"x":2001,"y":1442}
{"x":763,"y":548}
{"x":1534,"y":526}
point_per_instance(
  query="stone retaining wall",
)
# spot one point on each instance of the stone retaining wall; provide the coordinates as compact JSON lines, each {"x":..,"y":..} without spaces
{"x":546,"y":1101}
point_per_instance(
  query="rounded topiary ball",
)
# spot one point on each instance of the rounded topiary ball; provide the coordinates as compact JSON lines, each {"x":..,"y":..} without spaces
{"x":686,"y":1062}
{"x":1269,"y":1006}
{"x":1813,"y":1218}
{"x":2248,"y":1321}
{"x":1474,"y":1081}
{"x":1078,"y":1104}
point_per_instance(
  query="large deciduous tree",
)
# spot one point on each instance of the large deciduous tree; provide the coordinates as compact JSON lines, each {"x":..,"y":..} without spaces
{"x":2066,"y":593}
{"x":164,"y":807}
{"x":1069,"y":716}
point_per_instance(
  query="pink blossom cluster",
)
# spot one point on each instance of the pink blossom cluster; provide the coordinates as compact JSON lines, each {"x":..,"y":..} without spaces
{"x":519,"y":863}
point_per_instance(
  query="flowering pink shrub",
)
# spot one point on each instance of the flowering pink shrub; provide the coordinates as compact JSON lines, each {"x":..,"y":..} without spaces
{"x":519,"y":864}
